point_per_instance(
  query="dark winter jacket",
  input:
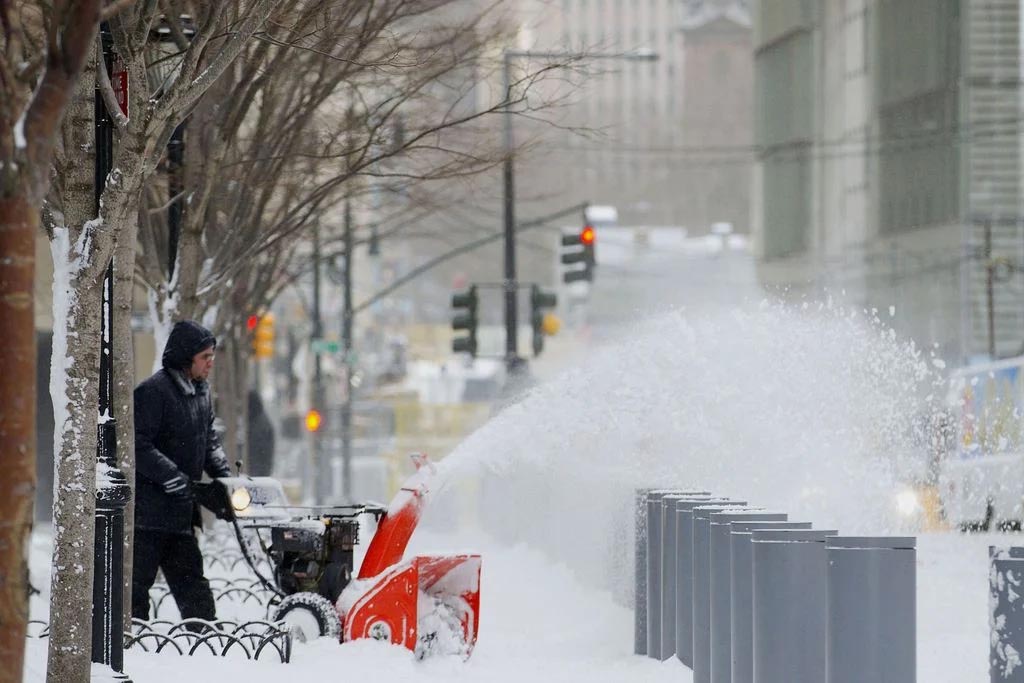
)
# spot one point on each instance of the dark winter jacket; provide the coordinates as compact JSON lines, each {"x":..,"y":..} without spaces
{"x":174,"y":433}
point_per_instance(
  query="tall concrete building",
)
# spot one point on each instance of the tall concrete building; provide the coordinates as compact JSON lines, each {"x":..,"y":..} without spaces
{"x":648,"y":122}
{"x":889,"y":162}
{"x":717,"y":113}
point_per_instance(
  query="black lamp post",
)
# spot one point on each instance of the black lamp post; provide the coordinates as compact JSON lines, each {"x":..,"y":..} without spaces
{"x":163,"y":56}
{"x":112,"y":489}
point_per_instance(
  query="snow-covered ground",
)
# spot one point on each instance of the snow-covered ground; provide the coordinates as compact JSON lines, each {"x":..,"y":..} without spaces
{"x":799,"y":410}
{"x":540,"y":623}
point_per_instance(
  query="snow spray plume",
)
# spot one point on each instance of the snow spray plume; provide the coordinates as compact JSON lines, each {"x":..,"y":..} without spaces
{"x":801,"y":411}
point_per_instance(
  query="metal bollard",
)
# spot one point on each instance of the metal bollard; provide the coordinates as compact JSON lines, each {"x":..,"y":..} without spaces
{"x":670,"y":569}
{"x":640,"y":572}
{"x":720,"y":585}
{"x":872,"y":610}
{"x":702,"y":586}
{"x":1006,"y":614}
{"x":684,"y":567}
{"x":653,"y":571}
{"x":790,"y":605}
{"x":741,"y":619}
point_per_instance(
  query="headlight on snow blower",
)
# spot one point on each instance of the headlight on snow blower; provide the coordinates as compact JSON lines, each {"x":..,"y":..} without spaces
{"x":240,"y":499}
{"x":907,"y":502}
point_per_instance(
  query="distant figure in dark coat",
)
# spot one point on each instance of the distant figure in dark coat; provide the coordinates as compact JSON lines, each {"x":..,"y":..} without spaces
{"x":261,"y":438}
{"x":174,"y":444}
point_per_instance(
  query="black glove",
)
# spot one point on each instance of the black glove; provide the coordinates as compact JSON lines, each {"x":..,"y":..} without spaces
{"x":214,"y":497}
{"x":177,"y":486}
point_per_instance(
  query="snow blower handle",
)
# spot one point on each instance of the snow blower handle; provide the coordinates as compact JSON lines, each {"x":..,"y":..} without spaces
{"x":213,"y":496}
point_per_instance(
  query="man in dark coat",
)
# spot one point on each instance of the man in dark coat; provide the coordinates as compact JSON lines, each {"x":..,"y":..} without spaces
{"x":174,"y":444}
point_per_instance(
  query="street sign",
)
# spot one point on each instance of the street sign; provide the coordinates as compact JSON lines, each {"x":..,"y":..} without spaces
{"x":323,"y":346}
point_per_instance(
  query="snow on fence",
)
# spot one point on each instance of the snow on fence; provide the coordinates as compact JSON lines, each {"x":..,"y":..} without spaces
{"x":222,"y":637}
{"x":251,"y":639}
{"x":740,"y":594}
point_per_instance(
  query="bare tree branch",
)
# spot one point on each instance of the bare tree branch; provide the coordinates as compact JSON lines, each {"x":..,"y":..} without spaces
{"x":107,"y":92}
{"x":114,"y":8}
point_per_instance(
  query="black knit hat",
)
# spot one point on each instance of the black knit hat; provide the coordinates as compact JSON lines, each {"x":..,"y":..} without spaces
{"x":187,"y":338}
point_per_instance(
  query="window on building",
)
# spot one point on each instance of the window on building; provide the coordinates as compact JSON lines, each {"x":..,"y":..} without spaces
{"x":918,"y":113}
{"x":785,"y":133}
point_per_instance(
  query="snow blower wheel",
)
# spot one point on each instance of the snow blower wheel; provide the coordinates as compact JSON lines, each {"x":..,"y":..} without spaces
{"x":309,"y":616}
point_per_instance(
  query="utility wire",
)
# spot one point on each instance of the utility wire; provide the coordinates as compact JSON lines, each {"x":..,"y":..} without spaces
{"x":469,"y":246}
{"x":806,"y":148}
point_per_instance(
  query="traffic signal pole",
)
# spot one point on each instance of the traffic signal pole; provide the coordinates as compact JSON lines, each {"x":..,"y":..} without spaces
{"x":346,"y":345}
{"x":512,"y":361}
{"x":322,"y":484}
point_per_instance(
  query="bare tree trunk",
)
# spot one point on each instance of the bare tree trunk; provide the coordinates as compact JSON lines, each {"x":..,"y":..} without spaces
{"x":124,"y":387}
{"x":32,"y":104}
{"x":190,"y":255}
{"x":18,"y":226}
{"x":81,"y":249}
{"x":226,"y":406}
{"x":75,"y":392}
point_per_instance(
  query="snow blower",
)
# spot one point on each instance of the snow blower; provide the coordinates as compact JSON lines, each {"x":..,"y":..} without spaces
{"x":429,"y":604}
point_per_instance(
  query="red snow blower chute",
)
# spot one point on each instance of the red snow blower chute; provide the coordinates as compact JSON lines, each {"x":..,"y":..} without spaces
{"x":429,"y":604}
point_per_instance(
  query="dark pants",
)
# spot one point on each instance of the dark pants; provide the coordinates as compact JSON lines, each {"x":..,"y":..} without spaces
{"x":179,"y":557}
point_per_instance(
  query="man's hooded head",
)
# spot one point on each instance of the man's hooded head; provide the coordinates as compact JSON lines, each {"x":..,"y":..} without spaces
{"x":187,"y":338}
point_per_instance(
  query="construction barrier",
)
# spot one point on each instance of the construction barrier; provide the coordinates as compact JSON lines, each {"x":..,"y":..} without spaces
{"x":721,"y":587}
{"x":653,"y":582}
{"x":744,"y":595}
{"x":1006,"y":611}
{"x":741,"y":595}
{"x":702,"y":586}
{"x":684,"y":587}
{"x":872,"y":599}
{"x":640,"y":573}
{"x":670,"y":567}
{"x":790,"y":598}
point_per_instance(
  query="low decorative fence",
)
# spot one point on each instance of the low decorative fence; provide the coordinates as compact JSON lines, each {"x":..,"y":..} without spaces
{"x":255,"y":639}
{"x":253,"y":635}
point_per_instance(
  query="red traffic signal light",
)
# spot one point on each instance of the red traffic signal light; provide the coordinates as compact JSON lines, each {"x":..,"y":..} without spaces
{"x":587,"y":236}
{"x":251,"y":322}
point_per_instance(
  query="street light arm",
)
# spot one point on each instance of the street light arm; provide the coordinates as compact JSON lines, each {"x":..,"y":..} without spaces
{"x":469,"y":246}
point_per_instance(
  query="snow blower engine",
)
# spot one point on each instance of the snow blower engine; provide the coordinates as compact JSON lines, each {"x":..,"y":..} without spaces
{"x":429,"y":603}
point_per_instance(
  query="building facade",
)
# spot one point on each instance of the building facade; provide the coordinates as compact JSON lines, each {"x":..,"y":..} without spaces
{"x":649,"y":125}
{"x":889,"y":162}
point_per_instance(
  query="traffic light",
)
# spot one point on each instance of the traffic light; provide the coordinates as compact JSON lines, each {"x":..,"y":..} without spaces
{"x":262,"y":328}
{"x":313,"y":420}
{"x":578,"y":253}
{"x":542,"y":321}
{"x":466,"y":302}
